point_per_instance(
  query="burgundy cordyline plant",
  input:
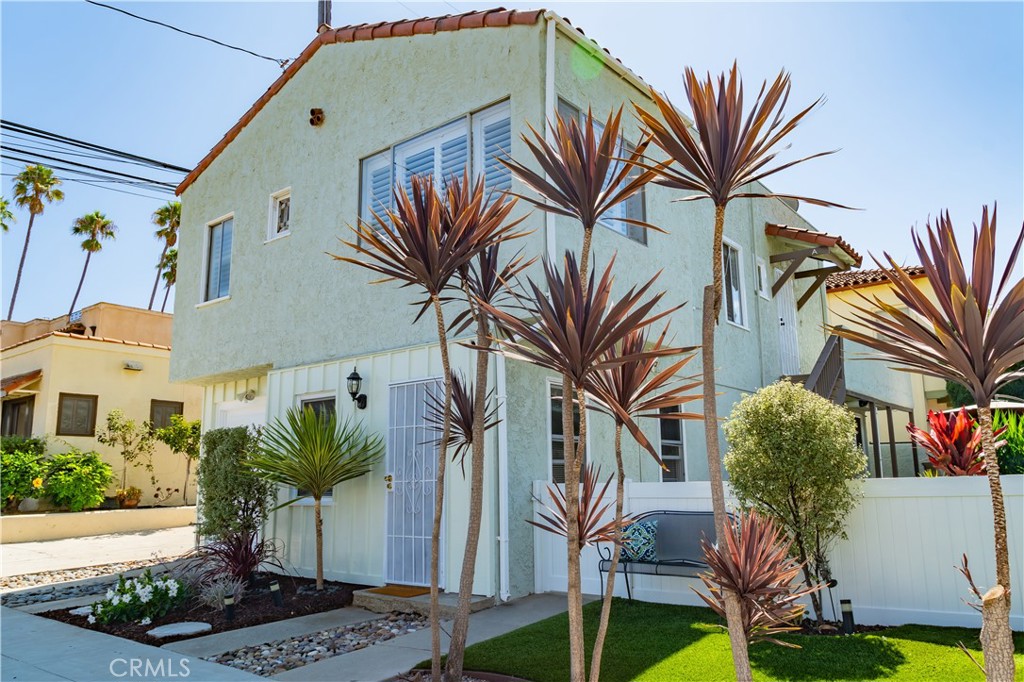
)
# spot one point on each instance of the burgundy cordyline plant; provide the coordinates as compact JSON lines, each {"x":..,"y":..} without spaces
{"x":970,"y":334}
{"x":953,"y":443}
{"x":721,"y":157}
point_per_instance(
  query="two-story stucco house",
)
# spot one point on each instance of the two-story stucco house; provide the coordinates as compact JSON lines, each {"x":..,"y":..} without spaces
{"x":265,"y":320}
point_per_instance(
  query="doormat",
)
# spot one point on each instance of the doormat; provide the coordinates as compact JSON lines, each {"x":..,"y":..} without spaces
{"x":401,"y":590}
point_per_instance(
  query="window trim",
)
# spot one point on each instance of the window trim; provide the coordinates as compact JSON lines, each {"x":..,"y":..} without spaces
{"x":761,"y":283}
{"x":60,"y":413}
{"x":275,"y":197}
{"x":204,"y":273}
{"x":549,"y":382}
{"x":153,"y":403}
{"x":745,"y":324}
{"x":293,"y":492}
{"x":682,"y":449}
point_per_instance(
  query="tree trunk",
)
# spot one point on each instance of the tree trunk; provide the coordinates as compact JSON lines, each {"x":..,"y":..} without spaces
{"x":21,"y":264}
{"x":606,"y":608}
{"x":167,"y":291}
{"x":996,"y":636}
{"x":573,"y":465}
{"x":188,"y":473}
{"x":318,"y":526}
{"x":709,"y":320}
{"x":159,"y":271}
{"x":460,"y":628}
{"x":435,"y":537}
{"x":88,"y":255}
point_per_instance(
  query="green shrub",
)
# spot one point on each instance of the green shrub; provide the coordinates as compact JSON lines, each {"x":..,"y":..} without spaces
{"x":77,"y":480}
{"x":23,"y":443}
{"x":233,"y":499}
{"x":21,"y":467}
{"x":139,"y":599}
{"x":1011,"y":455}
{"x":792,"y":456}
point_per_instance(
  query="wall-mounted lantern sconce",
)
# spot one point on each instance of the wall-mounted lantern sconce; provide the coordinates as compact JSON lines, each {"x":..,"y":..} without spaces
{"x":354,"y":382}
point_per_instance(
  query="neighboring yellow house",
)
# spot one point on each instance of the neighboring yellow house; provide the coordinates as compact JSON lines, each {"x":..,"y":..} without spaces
{"x":61,"y":377}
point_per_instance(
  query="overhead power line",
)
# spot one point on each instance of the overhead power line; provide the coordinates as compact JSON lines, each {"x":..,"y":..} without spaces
{"x":280,"y":62}
{"x":15,"y":150}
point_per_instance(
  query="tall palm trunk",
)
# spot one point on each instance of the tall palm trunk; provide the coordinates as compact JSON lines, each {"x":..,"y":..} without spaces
{"x":996,"y":636}
{"x":460,"y":628}
{"x":88,"y":255}
{"x":21,"y":264}
{"x":709,"y":320}
{"x":318,"y":527}
{"x":606,"y":608}
{"x":159,"y":271}
{"x":167,"y":292}
{"x":442,"y":462}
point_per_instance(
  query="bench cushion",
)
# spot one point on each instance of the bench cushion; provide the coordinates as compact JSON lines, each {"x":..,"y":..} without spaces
{"x":640,"y":541}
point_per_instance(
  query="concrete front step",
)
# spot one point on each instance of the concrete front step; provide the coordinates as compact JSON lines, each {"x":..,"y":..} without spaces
{"x":383,"y":603}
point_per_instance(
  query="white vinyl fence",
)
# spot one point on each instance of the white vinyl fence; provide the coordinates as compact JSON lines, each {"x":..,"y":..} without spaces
{"x":898,"y":565}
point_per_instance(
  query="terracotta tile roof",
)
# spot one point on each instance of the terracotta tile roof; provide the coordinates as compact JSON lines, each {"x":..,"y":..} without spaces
{"x":499,"y":17}
{"x":860,"y":278}
{"x":812,"y":237}
{"x":80,"y":337}
{"x":13,"y":383}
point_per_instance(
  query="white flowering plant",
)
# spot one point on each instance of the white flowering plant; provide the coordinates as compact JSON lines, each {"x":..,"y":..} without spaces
{"x":140,"y":599}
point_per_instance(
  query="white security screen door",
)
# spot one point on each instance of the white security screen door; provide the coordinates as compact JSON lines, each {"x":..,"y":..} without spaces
{"x":789,"y":348}
{"x":412,"y":462}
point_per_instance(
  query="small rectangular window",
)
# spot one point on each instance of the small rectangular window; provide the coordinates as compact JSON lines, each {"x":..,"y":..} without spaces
{"x":557,"y":433}
{"x":672,"y":446}
{"x":280,"y":214}
{"x":17,"y":416}
{"x":323,"y":407}
{"x":76,"y":414}
{"x":160,"y":412}
{"x":218,"y":265}
{"x":762,"y":278}
{"x":732,"y":288}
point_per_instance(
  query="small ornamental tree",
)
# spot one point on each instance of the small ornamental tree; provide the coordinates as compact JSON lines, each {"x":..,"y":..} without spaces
{"x":134,"y":442}
{"x":792,"y":457}
{"x":183,"y":437}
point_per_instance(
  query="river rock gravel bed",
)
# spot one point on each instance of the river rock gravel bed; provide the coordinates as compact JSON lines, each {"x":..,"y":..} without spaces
{"x":272,"y":658}
{"x":17,"y":582}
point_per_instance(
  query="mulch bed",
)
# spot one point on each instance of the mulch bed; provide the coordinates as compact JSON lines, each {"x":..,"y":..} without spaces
{"x":256,"y":607}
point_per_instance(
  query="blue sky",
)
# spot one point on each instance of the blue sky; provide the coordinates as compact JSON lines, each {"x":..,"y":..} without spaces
{"x":925,"y":100}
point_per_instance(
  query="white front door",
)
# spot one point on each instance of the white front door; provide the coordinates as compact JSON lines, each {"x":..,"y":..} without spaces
{"x":789,"y":348}
{"x":411,"y":462}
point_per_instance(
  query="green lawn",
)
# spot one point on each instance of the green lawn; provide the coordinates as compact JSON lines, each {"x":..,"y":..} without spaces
{"x":655,"y":642}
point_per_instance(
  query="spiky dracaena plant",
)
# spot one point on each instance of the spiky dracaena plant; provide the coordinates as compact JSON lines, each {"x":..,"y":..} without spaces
{"x":624,"y":392}
{"x":581,"y":177}
{"x":952,"y":442}
{"x":422,"y":244}
{"x":731,"y":150}
{"x":970,"y":335}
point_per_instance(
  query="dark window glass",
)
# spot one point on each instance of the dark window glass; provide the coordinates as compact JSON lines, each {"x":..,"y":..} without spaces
{"x":218,"y":266}
{"x":160,"y":412}
{"x":76,"y":415}
{"x":672,"y":446}
{"x":17,"y":416}
{"x":557,"y":435}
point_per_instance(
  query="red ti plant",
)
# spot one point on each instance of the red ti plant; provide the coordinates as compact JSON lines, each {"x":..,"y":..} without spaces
{"x":754,"y":563}
{"x":953,"y":443}
{"x":592,"y":507}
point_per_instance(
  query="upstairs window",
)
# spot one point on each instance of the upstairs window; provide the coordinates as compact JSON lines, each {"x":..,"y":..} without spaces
{"x":672,"y":446}
{"x":280,"y":214}
{"x":732,"y":286}
{"x":557,"y":433}
{"x":218,"y":260}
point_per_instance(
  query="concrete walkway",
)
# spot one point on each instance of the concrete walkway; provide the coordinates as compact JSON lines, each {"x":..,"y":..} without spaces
{"x":37,"y":649}
{"x":55,"y":555}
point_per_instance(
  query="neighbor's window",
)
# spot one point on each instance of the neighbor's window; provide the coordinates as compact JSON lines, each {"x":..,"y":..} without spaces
{"x":160,"y":412}
{"x":762,"y":278}
{"x":17,"y":416}
{"x":76,"y":415}
{"x":441,"y":153}
{"x":558,"y":436}
{"x":280,"y":214}
{"x":672,"y":446}
{"x":732,"y":289}
{"x":323,"y":407}
{"x":218,"y":264}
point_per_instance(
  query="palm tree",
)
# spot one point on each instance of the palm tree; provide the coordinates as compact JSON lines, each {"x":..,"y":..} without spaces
{"x":34,"y":187}
{"x":168,"y":219}
{"x":169,"y":272}
{"x":314,"y":452}
{"x":95,"y":227}
{"x":730,"y":150}
{"x":970,"y":335}
{"x":6,"y":217}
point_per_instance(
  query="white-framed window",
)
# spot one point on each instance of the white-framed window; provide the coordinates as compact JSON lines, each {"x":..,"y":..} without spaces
{"x":762,"y":284}
{"x":633,"y":208}
{"x":673,"y":450}
{"x":279,"y":218}
{"x":734,"y":303}
{"x":218,"y":259}
{"x":477,"y":140}
{"x":320,"y":403}
{"x":556,"y":437}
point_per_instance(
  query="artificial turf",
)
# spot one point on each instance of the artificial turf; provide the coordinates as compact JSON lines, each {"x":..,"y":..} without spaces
{"x":656,"y":642}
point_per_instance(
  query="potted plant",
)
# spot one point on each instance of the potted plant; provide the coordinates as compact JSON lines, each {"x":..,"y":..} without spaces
{"x":128,"y":498}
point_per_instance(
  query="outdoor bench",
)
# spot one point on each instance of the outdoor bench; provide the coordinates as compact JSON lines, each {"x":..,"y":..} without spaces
{"x":677,"y":546}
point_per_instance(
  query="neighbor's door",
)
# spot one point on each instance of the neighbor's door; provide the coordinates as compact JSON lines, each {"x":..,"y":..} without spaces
{"x":411,"y":464}
{"x":789,"y":348}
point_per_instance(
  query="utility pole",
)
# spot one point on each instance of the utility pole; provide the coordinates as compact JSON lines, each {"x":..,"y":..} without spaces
{"x":323,"y":13}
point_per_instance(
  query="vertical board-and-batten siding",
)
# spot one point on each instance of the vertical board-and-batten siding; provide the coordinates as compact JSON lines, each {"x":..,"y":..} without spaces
{"x":898,"y":564}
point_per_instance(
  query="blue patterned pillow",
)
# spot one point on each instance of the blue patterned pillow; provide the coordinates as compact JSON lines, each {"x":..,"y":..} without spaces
{"x":638,"y":541}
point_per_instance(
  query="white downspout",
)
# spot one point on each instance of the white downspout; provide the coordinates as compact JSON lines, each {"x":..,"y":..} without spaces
{"x":503,"y":584}
{"x":550,"y":109}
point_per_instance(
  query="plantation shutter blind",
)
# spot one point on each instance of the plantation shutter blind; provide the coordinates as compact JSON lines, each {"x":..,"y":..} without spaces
{"x":376,"y":185}
{"x":440,"y":154}
{"x":493,"y":139}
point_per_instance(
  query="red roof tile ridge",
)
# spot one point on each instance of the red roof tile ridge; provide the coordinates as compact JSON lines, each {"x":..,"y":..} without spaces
{"x":813,"y":237}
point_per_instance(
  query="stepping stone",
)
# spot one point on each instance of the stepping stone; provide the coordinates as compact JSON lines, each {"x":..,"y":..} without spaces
{"x":81,"y":611}
{"x":180,"y":629}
